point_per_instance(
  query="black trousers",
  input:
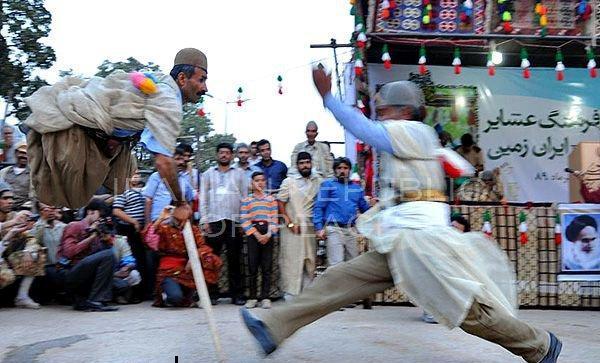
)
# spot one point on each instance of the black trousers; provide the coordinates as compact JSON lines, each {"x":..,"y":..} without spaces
{"x":91,"y":278}
{"x":49,"y":287}
{"x":226,"y":233}
{"x":259,"y":254}
{"x":138,"y":250}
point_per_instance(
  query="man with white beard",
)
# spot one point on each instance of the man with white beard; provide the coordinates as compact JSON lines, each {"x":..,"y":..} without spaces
{"x":583,"y":253}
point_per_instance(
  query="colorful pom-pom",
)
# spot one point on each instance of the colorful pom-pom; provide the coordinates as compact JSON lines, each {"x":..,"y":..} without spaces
{"x":146,"y":83}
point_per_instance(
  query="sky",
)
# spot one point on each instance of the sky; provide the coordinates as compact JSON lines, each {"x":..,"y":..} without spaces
{"x":248,"y":44}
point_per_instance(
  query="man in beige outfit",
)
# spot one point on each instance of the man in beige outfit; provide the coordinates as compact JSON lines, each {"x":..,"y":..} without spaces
{"x":463,"y":279}
{"x":296,"y":199}
{"x":322,"y":161}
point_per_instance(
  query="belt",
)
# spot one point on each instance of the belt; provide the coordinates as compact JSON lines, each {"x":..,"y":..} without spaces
{"x":424,"y":195}
{"x":340,"y":225}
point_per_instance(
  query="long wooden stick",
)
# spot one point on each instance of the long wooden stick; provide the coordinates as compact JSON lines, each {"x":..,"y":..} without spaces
{"x":192,"y":251}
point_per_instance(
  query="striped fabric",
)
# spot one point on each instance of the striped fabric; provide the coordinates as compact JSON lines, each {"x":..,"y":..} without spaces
{"x":132,"y":203}
{"x":258,"y":209}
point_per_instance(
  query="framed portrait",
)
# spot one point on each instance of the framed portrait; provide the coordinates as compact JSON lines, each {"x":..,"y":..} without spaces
{"x":580,"y":247}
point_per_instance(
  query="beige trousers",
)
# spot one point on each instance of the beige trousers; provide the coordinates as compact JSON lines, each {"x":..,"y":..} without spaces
{"x":368,"y":274}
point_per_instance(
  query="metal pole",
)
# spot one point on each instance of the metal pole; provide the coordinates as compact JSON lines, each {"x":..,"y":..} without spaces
{"x":337,"y":73}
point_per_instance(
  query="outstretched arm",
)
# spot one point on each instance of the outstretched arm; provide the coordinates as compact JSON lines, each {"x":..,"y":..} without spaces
{"x":351,"y":119}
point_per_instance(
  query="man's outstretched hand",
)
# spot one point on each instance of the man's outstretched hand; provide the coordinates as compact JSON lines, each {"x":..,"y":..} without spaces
{"x":322,"y":80}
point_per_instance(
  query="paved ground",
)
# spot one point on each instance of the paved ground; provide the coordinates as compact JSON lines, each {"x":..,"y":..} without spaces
{"x":140,"y":333}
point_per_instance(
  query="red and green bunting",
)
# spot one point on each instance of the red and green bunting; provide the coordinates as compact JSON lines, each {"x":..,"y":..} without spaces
{"x":557,"y":230}
{"x":487,"y":223}
{"x":523,"y":238}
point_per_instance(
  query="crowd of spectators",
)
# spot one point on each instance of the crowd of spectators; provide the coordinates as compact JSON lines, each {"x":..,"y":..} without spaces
{"x":253,"y":217}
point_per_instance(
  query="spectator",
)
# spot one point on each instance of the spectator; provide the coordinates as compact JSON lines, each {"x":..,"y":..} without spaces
{"x":175,"y":281}
{"x":259,"y":221}
{"x":485,"y":188}
{"x":8,"y":218}
{"x":26,"y":258}
{"x":298,"y":245}
{"x":125,"y":277}
{"x":191,"y":172}
{"x":222,"y":189}
{"x":254,"y":156}
{"x":335,"y":212}
{"x":8,"y":151}
{"x":157,"y":193}
{"x":446,"y":139}
{"x":129,"y":210}
{"x":322,"y":159}
{"x":243,"y":154}
{"x":48,"y":232}
{"x":17,"y":176}
{"x":275,"y":171}
{"x":460,"y":223}
{"x":158,"y":196}
{"x":86,"y":254}
{"x":470,"y":151}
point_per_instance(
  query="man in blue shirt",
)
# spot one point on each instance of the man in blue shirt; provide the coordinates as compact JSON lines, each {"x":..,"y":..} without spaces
{"x":275,"y":171}
{"x":335,"y":213}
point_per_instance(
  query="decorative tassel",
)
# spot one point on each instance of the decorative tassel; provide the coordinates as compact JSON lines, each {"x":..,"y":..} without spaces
{"x":487,"y":223}
{"x":280,"y":86}
{"x":525,"y":63}
{"x":385,"y":9}
{"x":456,"y":61}
{"x":239,"y":98}
{"x":358,"y":66}
{"x":560,"y":67}
{"x":361,"y":40}
{"x":523,"y":238}
{"x":360,"y":105}
{"x":145,"y":82}
{"x":422,"y":61}
{"x":506,"y":21}
{"x":557,"y":231}
{"x":591,"y":65}
{"x":490,"y":65}
{"x":385,"y":57}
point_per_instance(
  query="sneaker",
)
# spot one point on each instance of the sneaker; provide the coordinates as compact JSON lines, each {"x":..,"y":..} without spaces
{"x":258,"y":329}
{"x":553,"y":350}
{"x":265,"y":304}
{"x":428,"y":318}
{"x":26,"y":303}
{"x":251,"y":303}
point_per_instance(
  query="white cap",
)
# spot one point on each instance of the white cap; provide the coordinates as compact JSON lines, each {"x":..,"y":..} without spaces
{"x":399,"y":93}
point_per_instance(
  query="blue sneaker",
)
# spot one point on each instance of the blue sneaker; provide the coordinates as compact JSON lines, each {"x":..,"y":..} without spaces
{"x":259,"y":330}
{"x":553,"y":351}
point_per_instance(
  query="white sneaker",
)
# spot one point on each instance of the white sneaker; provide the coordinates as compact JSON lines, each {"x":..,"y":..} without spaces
{"x":26,"y":303}
{"x":265,"y":304}
{"x":251,"y":303}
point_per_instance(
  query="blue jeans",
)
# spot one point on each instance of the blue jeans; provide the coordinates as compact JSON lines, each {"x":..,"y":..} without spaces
{"x":173,"y":291}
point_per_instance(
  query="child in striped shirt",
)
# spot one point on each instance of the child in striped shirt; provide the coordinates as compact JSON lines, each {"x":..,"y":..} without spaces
{"x":259,"y":221}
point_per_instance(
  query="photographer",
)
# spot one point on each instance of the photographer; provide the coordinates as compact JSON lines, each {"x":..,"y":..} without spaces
{"x":86,"y":253}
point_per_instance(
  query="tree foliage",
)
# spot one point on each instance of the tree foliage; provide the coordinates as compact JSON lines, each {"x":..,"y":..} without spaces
{"x":22,"y":24}
{"x":130,"y":65}
{"x":198,"y":131}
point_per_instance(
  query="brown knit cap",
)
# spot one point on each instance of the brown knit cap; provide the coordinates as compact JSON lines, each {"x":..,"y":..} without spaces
{"x":193,"y":57}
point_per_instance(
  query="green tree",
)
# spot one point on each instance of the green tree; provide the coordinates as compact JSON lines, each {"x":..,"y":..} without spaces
{"x":22,"y":25}
{"x":198,"y":131}
{"x":130,"y":65}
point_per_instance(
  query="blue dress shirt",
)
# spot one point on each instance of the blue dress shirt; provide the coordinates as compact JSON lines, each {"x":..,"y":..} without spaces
{"x":338,"y":203}
{"x":275,"y":173}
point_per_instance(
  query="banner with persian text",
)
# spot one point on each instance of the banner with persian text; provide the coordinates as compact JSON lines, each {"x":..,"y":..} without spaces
{"x":525,"y":127}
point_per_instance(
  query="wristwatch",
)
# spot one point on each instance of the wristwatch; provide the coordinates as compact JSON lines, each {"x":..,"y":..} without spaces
{"x":291,"y":225}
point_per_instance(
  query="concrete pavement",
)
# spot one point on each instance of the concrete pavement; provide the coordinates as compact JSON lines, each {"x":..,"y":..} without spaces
{"x":141,"y":333}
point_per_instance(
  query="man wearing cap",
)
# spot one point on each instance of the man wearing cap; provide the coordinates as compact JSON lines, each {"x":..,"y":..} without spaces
{"x":322,"y":160}
{"x":17,"y":176}
{"x":485,"y":188}
{"x":463,"y":279}
{"x":82,"y":131}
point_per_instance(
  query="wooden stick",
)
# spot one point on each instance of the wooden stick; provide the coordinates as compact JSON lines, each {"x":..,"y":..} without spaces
{"x":192,"y":251}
